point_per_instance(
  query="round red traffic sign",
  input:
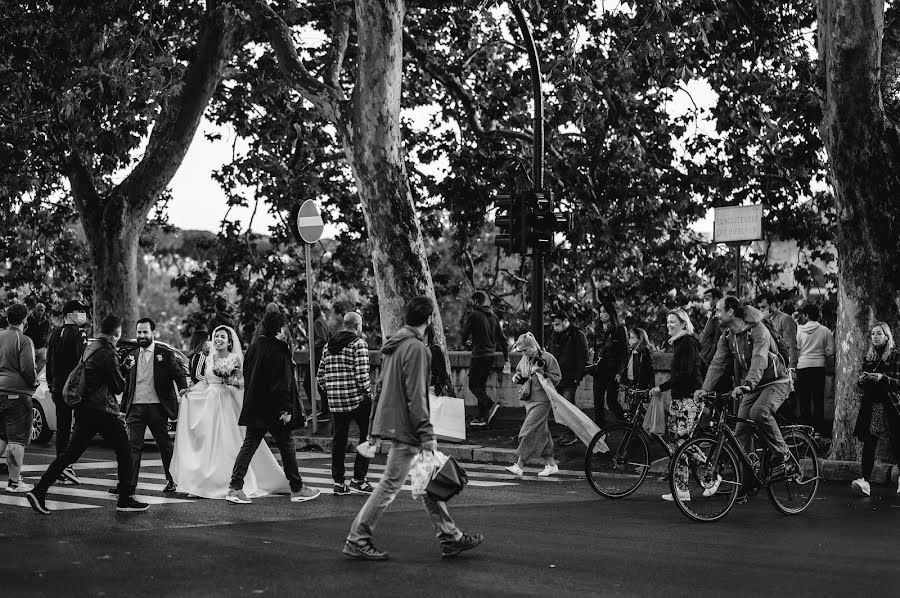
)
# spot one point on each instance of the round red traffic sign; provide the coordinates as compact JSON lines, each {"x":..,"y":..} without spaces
{"x":307,"y":221}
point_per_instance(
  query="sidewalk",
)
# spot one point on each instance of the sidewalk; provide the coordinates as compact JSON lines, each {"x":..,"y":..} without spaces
{"x":498,"y":443}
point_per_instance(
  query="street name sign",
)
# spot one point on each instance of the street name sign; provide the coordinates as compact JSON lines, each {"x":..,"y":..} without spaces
{"x":737,"y":223}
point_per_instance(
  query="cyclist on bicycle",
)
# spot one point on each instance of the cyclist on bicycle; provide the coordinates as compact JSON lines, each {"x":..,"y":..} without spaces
{"x":762,"y":380}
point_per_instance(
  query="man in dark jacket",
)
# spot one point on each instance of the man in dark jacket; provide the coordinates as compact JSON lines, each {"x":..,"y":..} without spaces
{"x":321,"y":335}
{"x":402,"y":415}
{"x":38,"y":330}
{"x":97,"y":414}
{"x":65,"y":347}
{"x":568,"y":345}
{"x":709,"y":338}
{"x":149,"y":401}
{"x":269,"y":407}
{"x":483,"y":328}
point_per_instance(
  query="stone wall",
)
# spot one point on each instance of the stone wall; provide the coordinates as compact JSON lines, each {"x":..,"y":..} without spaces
{"x":500,"y":384}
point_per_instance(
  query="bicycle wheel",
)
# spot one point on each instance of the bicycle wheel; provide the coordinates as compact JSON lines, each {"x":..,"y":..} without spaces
{"x":710,"y":488}
{"x":616,"y":461}
{"x":793,"y":494}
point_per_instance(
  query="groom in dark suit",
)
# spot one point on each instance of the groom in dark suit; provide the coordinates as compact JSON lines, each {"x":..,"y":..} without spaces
{"x":149,"y":400}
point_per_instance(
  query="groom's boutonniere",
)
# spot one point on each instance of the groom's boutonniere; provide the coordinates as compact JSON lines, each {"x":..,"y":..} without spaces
{"x":159,"y":358}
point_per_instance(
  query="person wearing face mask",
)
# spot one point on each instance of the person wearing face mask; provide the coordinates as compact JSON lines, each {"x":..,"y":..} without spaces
{"x":65,"y":347}
{"x":97,"y":414}
{"x":879,"y":418}
{"x":685,"y":379}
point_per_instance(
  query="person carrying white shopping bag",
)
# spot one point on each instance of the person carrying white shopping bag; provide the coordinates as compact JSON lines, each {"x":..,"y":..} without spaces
{"x":535,"y":441}
{"x":401,"y":415}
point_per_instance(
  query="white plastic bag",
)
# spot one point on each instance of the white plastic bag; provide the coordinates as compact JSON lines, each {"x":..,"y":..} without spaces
{"x":369,"y":448}
{"x":423,"y":467}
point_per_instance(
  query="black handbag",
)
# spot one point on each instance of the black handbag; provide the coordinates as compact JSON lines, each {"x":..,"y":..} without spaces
{"x":448,"y":481}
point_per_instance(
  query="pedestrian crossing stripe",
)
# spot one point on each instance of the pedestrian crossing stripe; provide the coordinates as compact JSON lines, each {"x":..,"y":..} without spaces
{"x":95,"y":488}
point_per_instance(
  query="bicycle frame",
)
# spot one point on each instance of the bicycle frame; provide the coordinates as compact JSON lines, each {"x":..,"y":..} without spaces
{"x":725,"y":434}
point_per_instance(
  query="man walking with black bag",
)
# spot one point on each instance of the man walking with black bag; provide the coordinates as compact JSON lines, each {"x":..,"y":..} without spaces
{"x":65,"y":347}
{"x":402,"y":415}
{"x":98,"y":413}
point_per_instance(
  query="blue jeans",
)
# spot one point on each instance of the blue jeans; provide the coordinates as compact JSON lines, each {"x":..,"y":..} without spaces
{"x":396,"y":471}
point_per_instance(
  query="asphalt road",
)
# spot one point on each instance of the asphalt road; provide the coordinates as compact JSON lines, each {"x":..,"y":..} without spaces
{"x":543,"y":538}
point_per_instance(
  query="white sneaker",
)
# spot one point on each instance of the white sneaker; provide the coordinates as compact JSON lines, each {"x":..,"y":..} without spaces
{"x":515,"y":469}
{"x":549,"y":470}
{"x":20,"y":488}
{"x":713,"y":487}
{"x":861,"y":486}
{"x":898,"y":487}
{"x":682,"y":496}
{"x":237,"y":497}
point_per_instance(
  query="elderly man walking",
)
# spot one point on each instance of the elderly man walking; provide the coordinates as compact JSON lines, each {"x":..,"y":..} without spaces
{"x":344,"y":378}
{"x":402,"y":416}
{"x":18,"y":381}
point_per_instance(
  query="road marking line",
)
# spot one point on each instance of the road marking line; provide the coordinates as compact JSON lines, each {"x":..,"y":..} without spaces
{"x":104,"y":495}
{"x":112,"y":482}
{"x":53,"y":505}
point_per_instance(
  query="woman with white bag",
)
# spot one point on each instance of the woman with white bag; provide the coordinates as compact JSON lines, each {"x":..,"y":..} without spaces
{"x":535,"y":440}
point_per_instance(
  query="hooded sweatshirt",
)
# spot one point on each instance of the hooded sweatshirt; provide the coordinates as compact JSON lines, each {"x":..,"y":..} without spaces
{"x":815,"y":343}
{"x":402,"y":412}
{"x":344,"y":372}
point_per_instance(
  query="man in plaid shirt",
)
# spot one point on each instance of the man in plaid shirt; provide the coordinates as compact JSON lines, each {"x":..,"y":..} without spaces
{"x":344,"y":376}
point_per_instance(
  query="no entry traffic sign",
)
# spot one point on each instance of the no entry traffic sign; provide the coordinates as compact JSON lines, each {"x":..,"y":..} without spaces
{"x":306,"y":221}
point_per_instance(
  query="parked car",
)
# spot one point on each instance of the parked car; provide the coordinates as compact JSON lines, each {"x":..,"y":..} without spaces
{"x":43,"y":424}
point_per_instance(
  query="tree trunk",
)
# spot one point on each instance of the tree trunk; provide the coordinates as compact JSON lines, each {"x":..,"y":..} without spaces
{"x":113,"y":243}
{"x":374,"y":149}
{"x":864,"y":162}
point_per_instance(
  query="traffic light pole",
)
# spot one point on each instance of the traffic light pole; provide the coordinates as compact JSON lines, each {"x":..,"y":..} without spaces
{"x":537,"y":169}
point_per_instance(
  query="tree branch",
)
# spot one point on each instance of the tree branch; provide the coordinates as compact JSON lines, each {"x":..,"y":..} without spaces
{"x":174,"y":130}
{"x":84,"y":192}
{"x":890,"y":61}
{"x":457,"y":90}
{"x":326,"y":99}
{"x":340,"y":35}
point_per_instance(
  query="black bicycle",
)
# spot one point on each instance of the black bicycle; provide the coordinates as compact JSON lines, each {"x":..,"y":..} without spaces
{"x":714,"y":464}
{"x":618,"y":457}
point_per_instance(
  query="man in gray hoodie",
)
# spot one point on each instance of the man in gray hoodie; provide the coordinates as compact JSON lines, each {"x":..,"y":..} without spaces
{"x":402,"y":416}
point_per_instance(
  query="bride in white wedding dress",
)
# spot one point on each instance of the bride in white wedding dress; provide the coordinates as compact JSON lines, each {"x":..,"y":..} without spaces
{"x":208,"y":438}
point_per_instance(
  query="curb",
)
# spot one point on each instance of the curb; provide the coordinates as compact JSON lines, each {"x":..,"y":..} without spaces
{"x":830,"y":470}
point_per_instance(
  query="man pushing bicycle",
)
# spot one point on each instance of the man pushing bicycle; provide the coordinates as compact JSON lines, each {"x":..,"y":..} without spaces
{"x":762,"y":380}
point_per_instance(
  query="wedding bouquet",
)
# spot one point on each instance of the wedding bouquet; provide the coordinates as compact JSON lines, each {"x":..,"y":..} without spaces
{"x":225,"y":369}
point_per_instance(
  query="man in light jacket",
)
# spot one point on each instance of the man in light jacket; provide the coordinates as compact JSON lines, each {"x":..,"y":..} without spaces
{"x":762,"y":381}
{"x":815,"y":344}
{"x":402,"y":416}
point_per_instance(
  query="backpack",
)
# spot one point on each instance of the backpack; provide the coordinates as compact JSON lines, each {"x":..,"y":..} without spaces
{"x":75,"y":389}
{"x":779,"y":342}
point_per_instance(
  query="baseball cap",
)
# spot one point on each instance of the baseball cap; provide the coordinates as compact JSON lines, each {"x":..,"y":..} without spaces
{"x":74,"y":305}
{"x":562,"y":315}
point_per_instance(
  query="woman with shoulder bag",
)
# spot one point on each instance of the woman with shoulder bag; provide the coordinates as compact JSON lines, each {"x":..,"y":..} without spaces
{"x":878,"y":417}
{"x":534,"y":436}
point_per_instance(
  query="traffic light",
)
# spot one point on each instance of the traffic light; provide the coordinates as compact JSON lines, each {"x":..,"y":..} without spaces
{"x":510,"y":221}
{"x":542,"y":223}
